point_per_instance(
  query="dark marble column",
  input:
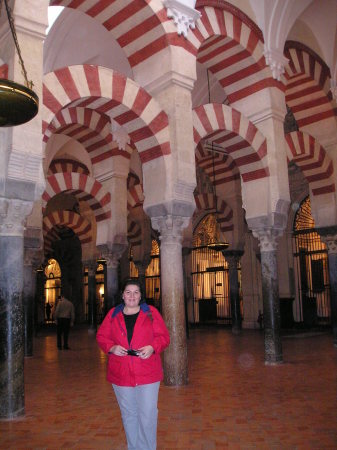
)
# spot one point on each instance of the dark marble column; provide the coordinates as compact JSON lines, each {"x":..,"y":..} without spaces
{"x":141,"y":276}
{"x":13,"y":213}
{"x":329,"y":237}
{"x":233,"y":257}
{"x":92,"y":308}
{"x":270,"y":292}
{"x":172,"y":290}
{"x":112,"y":254}
{"x":28,"y":298}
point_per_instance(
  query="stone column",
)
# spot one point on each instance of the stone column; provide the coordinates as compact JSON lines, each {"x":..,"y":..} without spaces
{"x":329,"y":237}
{"x":270,"y":293}
{"x":28,"y":298}
{"x":12,"y":216}
{"x":172,"y":290}
{"x":92,"y":308}
{"x":233,"y":257}
{"x":141,"y":275}
{"x":112,"y":254}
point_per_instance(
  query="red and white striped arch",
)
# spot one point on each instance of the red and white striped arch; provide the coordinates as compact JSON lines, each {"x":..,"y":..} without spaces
{"x":83,"y":187}
{"x":141,"y":27}
{"x":81,"y":227}
{"x":220,"y":169}
{"x":135,"y":196}
{"x":312,"y":159}
{"x":134,"y":233}
{"x":90,"y":129}
{"x":308,"y":85}
{"x":110,"y":93}
{"x":231,"y":47}
{"x":211,"y":204}
{"x":67,"y":165}
{"x":238,"y":137}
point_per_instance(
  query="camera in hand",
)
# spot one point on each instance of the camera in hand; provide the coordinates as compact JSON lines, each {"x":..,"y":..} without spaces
{"x":132,"y":352}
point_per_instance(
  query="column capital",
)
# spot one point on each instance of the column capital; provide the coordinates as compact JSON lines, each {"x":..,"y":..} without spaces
{"x":170,"y":227}
{"x":13,"y":213}
{"x":232,"y":256}
{"x":329,"y":237}
{"x":267,"y":238}
{"x":91,"y":264}
{"x":112,"y":254}
{"x":276,"y":61}
{"x":183,"y":14}
{"x":32,"y":257}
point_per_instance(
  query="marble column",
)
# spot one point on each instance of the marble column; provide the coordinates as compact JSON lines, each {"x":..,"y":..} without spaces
{"x":28,"y":298}
{"x":12,"y":216}
{"x":141,"y":276}
{"x":233,"y":257}
{"x":111,"y":280}
{"x":92,"y":307}
{"x":172,"y":290}
{"x":329,"y":237}
{"x":270,"y":292}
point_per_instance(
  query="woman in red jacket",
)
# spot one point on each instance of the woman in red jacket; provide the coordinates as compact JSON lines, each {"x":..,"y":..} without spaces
{"x":133,"y":334}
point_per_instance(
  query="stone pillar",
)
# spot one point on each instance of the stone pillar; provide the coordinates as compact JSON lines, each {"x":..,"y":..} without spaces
{"x":270,"y":293}
{"x":92,"y":307}
{"x":12,"y":216}
{"x":186,"y":252}
{"x":172,"y":289}
{"x":112,"y":254}
{"x":28,"y":298}
{"x":141,"y":275}
{"x":329,"y":237}
{"x":233,"y":257}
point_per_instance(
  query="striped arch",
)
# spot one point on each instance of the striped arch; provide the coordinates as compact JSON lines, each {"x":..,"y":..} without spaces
{"x":51,"y":223}
{"x":67,"y":165}
{"x":90,"y":129}
{"x":141,"y":28}
{"x":210,"y":203}
{"x":220,"y":169}
{"x":229,"y":130}
{"x":135,"y":196}
{"x":83,"y":187}
{"x":112,"y":94}
{"x":134,"y":233}
{"x":312,"y":159}
{"x":308,"y":85}
{"x":231,"y":46}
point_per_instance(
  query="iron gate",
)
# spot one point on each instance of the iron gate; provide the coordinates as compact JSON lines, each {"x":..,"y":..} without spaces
{"x":210,"y":283}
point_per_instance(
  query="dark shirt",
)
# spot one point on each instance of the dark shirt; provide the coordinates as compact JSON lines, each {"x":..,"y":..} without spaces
{"x":130,"y":320}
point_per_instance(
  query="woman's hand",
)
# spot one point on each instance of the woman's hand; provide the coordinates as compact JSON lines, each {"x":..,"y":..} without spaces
{"x":118,"y":350}
{"x":145,"y":352}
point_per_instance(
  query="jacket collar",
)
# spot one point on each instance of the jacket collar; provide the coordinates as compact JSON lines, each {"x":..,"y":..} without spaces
{"x":119,"y":308}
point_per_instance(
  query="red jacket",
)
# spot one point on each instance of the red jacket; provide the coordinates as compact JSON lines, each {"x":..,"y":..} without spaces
{"x":150,"y":329}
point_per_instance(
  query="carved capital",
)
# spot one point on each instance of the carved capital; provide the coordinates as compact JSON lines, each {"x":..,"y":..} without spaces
{"x":183,"y":15}
{"x":329,"y":237}
{"x":267,"y":238}
{"x":112,"y":254}
{"x":91,"y":265}
{"x":276,"y":61}
{"x":119,"y":135}
{"x":33,"y":257}
{"x":170,"y":228}
{"x":232,"y":257}
{"x":13,"y":214}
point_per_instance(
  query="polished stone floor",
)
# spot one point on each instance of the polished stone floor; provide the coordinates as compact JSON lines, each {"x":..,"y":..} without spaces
{"x":232,"y":401}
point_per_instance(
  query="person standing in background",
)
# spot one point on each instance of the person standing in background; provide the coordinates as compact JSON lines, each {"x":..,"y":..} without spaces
{"x":64,"y":317}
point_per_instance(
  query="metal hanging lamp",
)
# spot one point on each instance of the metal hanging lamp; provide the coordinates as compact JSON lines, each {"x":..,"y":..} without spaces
{"x":215,"y":244}
{"x":18,"y":103}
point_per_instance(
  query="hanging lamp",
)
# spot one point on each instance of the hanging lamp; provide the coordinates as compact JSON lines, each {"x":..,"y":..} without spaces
{"x":215,"y":243}
{"x":18,"y":103}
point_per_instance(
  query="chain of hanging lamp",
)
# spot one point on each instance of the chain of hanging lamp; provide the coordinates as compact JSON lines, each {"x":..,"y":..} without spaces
{"x":28,"y":83}
{"x":18,"y":103}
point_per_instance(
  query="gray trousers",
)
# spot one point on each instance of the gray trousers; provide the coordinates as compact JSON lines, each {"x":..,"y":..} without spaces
{"x":139,"y":412}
